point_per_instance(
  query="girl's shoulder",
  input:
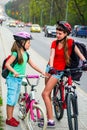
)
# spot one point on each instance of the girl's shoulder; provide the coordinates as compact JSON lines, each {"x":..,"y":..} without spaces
{"x":14,"y":53}
{"x":70,"y":41}
{"x":53,"y":45}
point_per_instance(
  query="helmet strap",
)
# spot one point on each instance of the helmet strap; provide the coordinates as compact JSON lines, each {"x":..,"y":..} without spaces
{"x":61,"y":39}
{"x":20,"y":45}
{"x":23,"y":48}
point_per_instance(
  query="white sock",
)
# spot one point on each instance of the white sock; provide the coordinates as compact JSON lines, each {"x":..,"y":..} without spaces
{"x":51,"y":121}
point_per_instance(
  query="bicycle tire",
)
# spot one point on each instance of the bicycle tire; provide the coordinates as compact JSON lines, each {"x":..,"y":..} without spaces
{"x":33,"y":125}
{"x":57,"y":103}
{"x":71,"y":112}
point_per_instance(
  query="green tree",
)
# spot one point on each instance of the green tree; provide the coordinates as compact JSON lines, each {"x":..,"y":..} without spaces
{"x":48,"y":11}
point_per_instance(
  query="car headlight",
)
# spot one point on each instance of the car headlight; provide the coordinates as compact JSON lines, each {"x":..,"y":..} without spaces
{"x":49,"y":31}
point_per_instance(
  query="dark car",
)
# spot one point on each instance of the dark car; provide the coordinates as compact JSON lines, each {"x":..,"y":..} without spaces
{"x":80,"y":31}
{"x":50,"y":31}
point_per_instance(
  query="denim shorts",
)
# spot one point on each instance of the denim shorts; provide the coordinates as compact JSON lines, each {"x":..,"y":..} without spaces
{"x":57,"y":76}
{"x":13,"y":90}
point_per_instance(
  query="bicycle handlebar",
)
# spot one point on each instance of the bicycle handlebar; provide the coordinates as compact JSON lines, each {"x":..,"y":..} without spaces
{"x":78,"y":69}
{"x":29,"y":76}
{"x":32,"y":76}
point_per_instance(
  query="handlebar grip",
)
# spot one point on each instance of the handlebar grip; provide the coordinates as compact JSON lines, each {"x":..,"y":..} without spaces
{"x":33,"y":76}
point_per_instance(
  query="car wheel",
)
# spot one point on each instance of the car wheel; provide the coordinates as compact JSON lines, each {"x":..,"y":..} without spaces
{"x":47,"y":35}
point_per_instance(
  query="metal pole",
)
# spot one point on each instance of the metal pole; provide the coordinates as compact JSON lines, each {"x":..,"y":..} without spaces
{"x":41,"y":17}
{"x":51,"y":10}
{"x":66,"y":15}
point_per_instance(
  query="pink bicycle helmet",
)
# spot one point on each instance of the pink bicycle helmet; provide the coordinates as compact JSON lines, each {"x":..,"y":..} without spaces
{"x":22,"y":36}
{"x":65,"y":25}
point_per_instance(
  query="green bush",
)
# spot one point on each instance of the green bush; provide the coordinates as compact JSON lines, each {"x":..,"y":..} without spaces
{"x":1,"y":129}
{"x":1,"y":122}
{"x":1,"y":102}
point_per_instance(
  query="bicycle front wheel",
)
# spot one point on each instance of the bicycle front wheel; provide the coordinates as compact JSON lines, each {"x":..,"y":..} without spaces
{"x":41,"y":118}
{"x":57,"y":102}
{"x":72,"y":112}
{"x":22,"y":107}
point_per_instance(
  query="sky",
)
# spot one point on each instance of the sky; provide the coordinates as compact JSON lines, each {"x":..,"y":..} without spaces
{"x":2,"y":2}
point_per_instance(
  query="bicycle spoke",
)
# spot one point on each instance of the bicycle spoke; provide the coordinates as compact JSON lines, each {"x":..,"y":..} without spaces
{"x":57,"y":103}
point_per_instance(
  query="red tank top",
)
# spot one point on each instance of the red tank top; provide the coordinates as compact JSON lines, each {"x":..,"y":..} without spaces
{"x":59,"y":59}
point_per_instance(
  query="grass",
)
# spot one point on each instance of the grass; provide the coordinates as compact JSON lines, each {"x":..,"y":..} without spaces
{"x":1,"y":117}
{"x":1,"y":102}
{"x":1,"y":122}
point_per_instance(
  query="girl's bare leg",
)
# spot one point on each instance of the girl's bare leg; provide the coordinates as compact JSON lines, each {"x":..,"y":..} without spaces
{"x":9,"y":110}
{"x":46,"y":94}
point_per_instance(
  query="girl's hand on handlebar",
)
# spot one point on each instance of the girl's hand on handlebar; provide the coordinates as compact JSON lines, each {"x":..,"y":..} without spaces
{"x":85,"y":65}
{"x":52,"y":70}
{"x":16,"y":74}
{"x":44,"y":74}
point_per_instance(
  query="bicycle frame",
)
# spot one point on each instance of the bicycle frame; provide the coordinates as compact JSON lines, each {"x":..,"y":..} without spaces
{"x":29,"y":98}
{"x":29,"y":107}
{"x":65,"y":88}
{"x":65,"y":97}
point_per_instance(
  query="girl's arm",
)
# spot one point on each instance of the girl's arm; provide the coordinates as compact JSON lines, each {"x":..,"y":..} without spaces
{"x":34,"y":66}
{"x":51,"y":59}
{"x":8,"y":65}
{"x":81,"y":56}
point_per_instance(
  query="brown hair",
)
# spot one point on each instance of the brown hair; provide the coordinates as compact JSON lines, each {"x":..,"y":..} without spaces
{"x":66,"y":54}
{"x":17,"y":48}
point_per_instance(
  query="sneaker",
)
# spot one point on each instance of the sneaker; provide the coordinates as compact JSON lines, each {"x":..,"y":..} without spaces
{"x":16,"y":120}
{"x":11,"y":122}
{"x":49,"y":124}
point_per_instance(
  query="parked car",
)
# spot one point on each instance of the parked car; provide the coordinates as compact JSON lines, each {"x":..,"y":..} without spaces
{"x":50,"y":31}
{"x":79,"y":31}
{"x":35,"y":28}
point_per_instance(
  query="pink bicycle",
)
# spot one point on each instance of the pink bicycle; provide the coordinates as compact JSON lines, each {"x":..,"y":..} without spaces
{"x":29,"y":108}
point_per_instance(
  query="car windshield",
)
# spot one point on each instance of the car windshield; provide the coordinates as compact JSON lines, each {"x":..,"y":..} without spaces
{"x":83,"y":28}
{"x":52,"y":28}
{"x":35,"y":25}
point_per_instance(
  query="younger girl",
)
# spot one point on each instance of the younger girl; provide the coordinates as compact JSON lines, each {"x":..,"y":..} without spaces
{"x":21,"y":44}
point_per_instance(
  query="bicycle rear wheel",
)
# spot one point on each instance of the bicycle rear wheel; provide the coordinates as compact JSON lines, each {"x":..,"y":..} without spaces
{"x":57,"y":102}
{"x":72,"y":113}
{"x":33,"y":125}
